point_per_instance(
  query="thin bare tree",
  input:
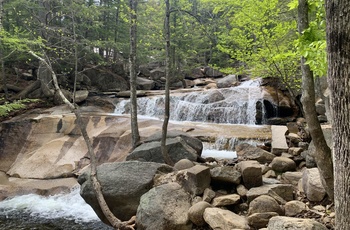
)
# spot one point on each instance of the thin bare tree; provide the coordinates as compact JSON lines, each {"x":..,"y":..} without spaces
{"x":114,"y":221}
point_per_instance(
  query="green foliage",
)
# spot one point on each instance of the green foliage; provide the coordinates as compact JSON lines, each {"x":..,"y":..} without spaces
{"x":16,"y":105}
{"x":259,"y":38}
{"x":312,"y":43}
{"x":247,"y":36}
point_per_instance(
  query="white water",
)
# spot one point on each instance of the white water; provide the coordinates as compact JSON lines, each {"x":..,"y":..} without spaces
{"x":235,"y":105}
{"x":69,"y":206}
{"x":218,"y":154}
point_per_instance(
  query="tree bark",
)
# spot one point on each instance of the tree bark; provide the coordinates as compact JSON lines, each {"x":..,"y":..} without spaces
{"x":165,"y":153}
{"x":323,"y":156}
{"x":338,"y":55}
{"x":133,"y":85}
{"x":115,"y":222}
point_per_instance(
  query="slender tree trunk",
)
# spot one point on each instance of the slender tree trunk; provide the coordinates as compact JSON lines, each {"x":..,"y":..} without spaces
{"x":4,"y":83}
{"x":323,"y":156}
{"x":115,"y":222}
{"x":166,"y":156}
{"x":75,"y":58}
{"x":338,"y":49}
{"x":116,"y":34}
{"x":133,"y":85}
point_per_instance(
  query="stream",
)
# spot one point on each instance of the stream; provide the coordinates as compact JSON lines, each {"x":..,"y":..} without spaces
{"x":236,"y":105}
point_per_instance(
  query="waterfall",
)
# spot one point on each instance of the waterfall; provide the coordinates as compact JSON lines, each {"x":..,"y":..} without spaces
{"x":235,"y":105}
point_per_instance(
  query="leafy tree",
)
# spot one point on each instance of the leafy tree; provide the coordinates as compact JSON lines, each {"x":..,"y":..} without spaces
{"x":323,"y":157}
{"x":259,"y":37}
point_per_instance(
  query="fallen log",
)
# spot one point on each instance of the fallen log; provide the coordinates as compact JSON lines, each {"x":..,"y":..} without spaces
{"x":13,"y":88}
{"x":23,"y":94}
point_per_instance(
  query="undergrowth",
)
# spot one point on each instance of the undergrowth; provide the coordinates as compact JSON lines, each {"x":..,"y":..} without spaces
{"x":8,"y":107}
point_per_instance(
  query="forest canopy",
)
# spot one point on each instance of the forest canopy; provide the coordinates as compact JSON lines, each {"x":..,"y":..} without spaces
{"x":258,"y":38}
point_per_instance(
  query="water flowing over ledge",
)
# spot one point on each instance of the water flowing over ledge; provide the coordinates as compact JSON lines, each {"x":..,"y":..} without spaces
{"x":235,"y":105}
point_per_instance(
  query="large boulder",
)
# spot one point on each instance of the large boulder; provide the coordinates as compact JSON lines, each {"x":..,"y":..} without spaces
{"x":285,"y":191}
{"x":195,"y":213}
{"x":249,"y":152}
{"x":228,"y":81}
{"x":210,"y":72}
{"x":283,"y":164}
{"x":290,"y":223}
{"x":264,"y":203}
{"x":226,"y":174}
{"x":260,"y":220}
{"x":226,"y":200}
{"x":107,"y":81}
{"x":221,"y":219}
{"x":196,"y":179}
{"x":294,"y":207}
{"x":251,"y":174}
{"x":312,"y":185}
{"x":164,"y":207}
{"x":177,"y":149}
{"x":144,"y":84}
{"x":123,"y":184}
{"x":195,"y":143}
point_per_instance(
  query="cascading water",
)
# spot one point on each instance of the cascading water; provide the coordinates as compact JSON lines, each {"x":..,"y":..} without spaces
{"x":61,"y":211}
{"x":235,"y":105}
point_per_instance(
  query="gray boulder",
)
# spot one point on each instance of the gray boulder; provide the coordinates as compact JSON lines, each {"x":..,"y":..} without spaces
{"x":251,"y":173}
{"x":292,"y":177}
{"x":164,"y":207}
{"x":312,"y":185}
{"x":183,"y":164}
{"x":210,"y":72}
{"x":264,"y":204}
{"x":195,"y":213}
{"x":283,"y":164}
{"x":225,"y":174}
{"x":290,"y":223}
{"x":107,"y":81}
{"x":285,"y":191}
{"x":177,"y":149}
{"x":221,"y":219}
{"x":208,"y":195}
{"x":226,"y":200}
{"x":294,"y":207}
{"x":195,"y":143}
{"x":122,"y":185}
{"x":144,"y":84}
{"x":228,"y":81}
{"x":249,"y":152}
{"x":196,"y":179}
{"x":260,"y":220}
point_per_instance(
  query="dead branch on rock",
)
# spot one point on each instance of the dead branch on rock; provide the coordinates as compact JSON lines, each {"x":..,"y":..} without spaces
{"x":114,"y":221}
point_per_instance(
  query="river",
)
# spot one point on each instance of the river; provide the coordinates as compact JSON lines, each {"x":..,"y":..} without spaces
{"x":69,"y":211}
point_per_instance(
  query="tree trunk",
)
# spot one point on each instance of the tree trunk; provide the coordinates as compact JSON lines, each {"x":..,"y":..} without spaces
{"x":338,"y":49}
{"x":166,"y":156}
{"x":133,"y":85}
{"x":323,"y":156}
{"x":4,"y":82}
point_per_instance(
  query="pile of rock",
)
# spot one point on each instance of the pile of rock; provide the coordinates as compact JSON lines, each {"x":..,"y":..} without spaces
{"x":259,"y":190}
